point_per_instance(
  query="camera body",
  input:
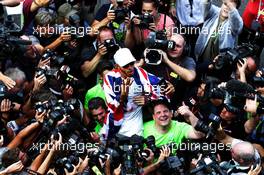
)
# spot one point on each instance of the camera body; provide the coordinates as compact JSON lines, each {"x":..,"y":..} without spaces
{"x":209,"y":130}
{"x":54,"y":58}
{"x":157,"y":40}
{"x":145,"y":20}
{"x":228,"y":58}
{"x":111,"y":46}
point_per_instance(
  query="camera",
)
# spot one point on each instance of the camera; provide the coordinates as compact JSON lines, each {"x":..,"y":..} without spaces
{"x":145,"y":20}
{"x":209,"y":130}
{"x":111,"y":46}
{"x":120,"y":12}
{"x":54,"y":58}
{"x":67,"y":162}
{"x":157,"y":40}
{"x":228,"y":58}
{"x":172,"y":165}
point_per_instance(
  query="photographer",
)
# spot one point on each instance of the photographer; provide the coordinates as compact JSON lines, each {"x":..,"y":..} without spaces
{"x":244,"y":155}
{"x":223,"y":25}
{"x":176,"y":67}
{"x":149,"y":20}
{"x":102,"y":49}
{"x":116,"y":15}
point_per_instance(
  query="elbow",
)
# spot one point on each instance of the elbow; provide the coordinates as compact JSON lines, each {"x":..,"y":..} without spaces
{"x":190,"y":78}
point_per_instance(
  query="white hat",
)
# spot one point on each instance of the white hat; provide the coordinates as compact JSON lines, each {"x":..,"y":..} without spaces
{"x":123,"y":57}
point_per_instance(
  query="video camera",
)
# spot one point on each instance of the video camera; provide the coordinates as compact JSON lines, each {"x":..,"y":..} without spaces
{"x":228,"y":58}
{"x":157,"y":40}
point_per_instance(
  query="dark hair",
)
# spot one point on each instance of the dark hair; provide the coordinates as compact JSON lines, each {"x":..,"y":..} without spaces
{"x":42,"y":95}
{"x":10,"y":157}
{"x":238,"y":3}
{"x":154,"y":2}
{"x":43,"y":18}
{"x":95,"y":103}
{"x":163,"y":102}
{"x":104,"y":65}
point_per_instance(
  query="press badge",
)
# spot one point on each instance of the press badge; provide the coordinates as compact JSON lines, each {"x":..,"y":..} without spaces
{"x":174,"y":75}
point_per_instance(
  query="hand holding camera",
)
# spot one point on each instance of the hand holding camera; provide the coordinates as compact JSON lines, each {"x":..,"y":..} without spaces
{"x":39,"y":81}
{"x":110,"y":15}
{"x":39,"y":116}
{"x":9,"y":83}
{"x":65,"y":36}
{"x":102,"y":50}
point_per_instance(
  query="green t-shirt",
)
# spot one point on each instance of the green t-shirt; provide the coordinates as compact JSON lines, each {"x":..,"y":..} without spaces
{"x":176,"y":134}
{"x":96,"y":91}
{"x":97,"y":127}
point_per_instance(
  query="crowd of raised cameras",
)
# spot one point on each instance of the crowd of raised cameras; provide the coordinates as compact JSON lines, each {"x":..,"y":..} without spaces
{"x":128,"y":87}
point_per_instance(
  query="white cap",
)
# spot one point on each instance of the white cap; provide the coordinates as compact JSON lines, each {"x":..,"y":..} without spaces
{"x":123,"y":57}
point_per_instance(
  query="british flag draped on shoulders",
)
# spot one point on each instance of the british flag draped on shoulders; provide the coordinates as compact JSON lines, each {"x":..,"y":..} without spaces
{"x":125,"y":114}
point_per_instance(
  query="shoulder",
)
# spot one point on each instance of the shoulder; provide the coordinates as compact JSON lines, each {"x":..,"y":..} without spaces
{"x":149,"y":124}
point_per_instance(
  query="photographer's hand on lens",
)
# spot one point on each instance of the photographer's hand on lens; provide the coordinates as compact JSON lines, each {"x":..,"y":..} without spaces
{"x":1,"y":140}
{"x":43,"y":63}
{"x":241,"y":66}
{"x":9,"y":83}
{"x":255,"y":171}
{"x":117,"y":171}
{"x":6,"y":105}
{"x":40,"y":116}
{"x":110,"y":15}
{"x":251,"y":105}
{"x":136,"y":20}
{"x":39,"y":82}
{"x":67,"y":92}
{"x":152,"y":27}
{"x":63,"y":120}
{"x":165,"y":58}
{"x":151,"y":157}
{"x":127,"y":22}
{"x":102,"y":50}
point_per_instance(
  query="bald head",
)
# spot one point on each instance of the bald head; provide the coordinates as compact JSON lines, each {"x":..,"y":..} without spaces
{"x":243,"y":153}
{"x":180,"y":43}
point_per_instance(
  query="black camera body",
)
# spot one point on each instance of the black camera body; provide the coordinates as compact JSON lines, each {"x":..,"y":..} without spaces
{"x":54,"y":58}
{"x":120,"y":14}
{"x":111,"y":46}
{"x":145,"y":19}
{"x":157,"y":40}
{"x":228,"y":58}
{"x":209,"y":130}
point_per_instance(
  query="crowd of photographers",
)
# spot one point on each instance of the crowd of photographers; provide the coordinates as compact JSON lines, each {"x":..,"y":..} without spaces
{"x":132,"y":87}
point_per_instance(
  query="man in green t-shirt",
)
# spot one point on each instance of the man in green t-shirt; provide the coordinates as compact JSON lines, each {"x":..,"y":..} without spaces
{"x":98,"y":111}
{"x":165,"y":130}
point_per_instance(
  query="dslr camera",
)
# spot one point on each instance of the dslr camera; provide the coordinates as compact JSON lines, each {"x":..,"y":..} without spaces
{"x":157,"y":40}
{"x":111,"y":46}
{"x":120,"y":12}
{"x":145,"y":20}
{"x":54,"y":58}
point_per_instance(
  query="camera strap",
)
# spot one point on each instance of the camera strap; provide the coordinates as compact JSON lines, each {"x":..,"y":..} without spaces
{"x":191,"y":4}
{"x":164,"y":22}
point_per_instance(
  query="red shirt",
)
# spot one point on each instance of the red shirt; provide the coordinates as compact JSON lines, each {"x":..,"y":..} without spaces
{"x":251,"y":12}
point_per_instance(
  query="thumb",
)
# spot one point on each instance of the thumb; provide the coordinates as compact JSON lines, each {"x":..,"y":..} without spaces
{"x":183,"y":104}
{"x":66,"y":171}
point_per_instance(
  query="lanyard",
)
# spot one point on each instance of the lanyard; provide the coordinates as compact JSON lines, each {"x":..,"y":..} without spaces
{"x":259,"y":11}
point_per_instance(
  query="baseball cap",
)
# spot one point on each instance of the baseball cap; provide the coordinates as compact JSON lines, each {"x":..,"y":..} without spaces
{"x":123,"y":56}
